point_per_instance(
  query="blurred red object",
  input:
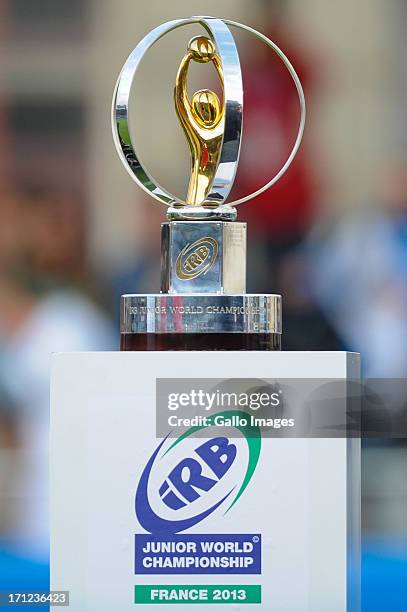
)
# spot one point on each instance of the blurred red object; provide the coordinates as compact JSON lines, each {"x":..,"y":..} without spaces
{"x":270,"y":124}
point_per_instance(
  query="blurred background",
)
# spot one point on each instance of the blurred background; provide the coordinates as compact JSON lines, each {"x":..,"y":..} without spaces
{"x":75,"y":232}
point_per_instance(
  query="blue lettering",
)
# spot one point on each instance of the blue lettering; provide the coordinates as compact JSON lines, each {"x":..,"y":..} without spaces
{"x":219,"y":454}
{"x":186,"y":477}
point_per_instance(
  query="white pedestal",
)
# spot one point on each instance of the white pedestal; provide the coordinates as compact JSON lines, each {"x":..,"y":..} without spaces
{"x":303,"y":499}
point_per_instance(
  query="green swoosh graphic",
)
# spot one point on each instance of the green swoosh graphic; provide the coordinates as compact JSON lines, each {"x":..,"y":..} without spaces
{"x":253,"y":443}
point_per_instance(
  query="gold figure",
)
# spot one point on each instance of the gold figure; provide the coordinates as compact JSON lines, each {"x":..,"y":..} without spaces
{"x":202,"y":118}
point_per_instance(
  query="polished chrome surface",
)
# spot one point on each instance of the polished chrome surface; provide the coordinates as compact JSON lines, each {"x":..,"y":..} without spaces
{"x":234,"y":258}
{"x":163,"y":314}
{"x":233,"y":104}
{"x":201,"y":213}
{"x":203,"y":249}
{"x":203,"y":257}
{"x":233,"y":91}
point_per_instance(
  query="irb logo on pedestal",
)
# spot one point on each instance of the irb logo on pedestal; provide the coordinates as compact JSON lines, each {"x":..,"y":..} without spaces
{"x":186,"y":483}
{"x":198,"y":475}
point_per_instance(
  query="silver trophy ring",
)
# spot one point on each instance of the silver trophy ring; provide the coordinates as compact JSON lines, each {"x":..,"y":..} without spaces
{"x":233,"y":94}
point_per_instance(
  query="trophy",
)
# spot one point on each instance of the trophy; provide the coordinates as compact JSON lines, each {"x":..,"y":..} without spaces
{"x":202,"y":304}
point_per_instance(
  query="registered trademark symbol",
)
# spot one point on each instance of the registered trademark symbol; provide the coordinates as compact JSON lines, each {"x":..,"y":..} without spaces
{"x":256,"y":539}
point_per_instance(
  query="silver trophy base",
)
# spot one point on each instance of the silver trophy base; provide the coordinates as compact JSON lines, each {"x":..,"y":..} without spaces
{"x":198,"y":313}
